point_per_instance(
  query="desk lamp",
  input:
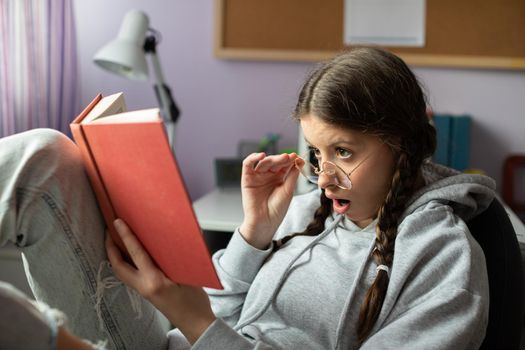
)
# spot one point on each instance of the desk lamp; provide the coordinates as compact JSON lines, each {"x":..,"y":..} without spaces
{"x":126,"y":56}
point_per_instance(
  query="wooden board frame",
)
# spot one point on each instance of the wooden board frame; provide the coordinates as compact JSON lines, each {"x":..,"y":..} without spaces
{"x":413,"y":58}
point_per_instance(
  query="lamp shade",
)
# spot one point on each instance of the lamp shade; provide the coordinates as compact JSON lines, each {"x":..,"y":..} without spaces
{"x":125,"y":55}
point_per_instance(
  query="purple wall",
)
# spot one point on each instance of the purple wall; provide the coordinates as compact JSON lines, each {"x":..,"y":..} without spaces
{"x":223,"y":102}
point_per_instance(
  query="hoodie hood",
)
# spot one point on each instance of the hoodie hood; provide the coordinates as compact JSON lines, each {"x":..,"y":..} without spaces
{"x":467,"y":194}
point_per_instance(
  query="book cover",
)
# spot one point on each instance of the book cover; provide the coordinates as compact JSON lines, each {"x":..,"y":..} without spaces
{"x":135,"y":177}
{"x":459,"y":148}
{"x":442,"y":125}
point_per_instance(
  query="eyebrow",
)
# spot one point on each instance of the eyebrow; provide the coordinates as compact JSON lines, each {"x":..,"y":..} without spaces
{"x":337,"y":142}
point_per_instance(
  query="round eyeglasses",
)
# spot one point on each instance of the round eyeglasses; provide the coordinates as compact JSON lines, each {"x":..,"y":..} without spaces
{"x":338,"y":176}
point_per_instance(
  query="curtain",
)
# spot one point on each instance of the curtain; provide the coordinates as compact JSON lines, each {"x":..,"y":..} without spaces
{"x":38,"y":65}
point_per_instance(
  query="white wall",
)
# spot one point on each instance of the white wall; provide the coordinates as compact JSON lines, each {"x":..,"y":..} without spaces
{"x":225,"y":101}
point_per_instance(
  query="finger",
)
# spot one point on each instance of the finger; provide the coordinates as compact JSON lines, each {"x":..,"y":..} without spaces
{"x":299,"y":162}
{"x":114,"y":253}
{"x":124,"y":272}
{"x":273,"y":163}
{"x":293,"y":169}
{"x":137,"y":253}
{"x":285,"y":170}
{"x":249,"y":163}
{"x":294,"y":161}
{"x":291,"y":179}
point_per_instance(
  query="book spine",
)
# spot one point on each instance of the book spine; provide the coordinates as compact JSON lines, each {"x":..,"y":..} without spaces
{"x":442,"y":125}
{"x":459,"y":152}
{"x":90,"y":166}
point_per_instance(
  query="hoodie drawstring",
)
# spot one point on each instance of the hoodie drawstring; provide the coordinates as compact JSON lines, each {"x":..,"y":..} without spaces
{"x":287,"y":271}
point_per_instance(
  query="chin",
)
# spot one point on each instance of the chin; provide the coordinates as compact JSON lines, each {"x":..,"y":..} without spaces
{"x":361,"y":222}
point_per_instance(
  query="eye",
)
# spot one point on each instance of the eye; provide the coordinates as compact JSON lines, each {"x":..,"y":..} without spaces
{"x":314,"y":156}
{"x":343,"y":153}
{"x":314,"y":152}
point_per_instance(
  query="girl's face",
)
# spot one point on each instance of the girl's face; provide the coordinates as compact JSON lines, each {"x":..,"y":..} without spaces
{"x":372,"y":160}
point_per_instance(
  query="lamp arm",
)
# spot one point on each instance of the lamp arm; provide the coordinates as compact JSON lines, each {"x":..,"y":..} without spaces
{"x":167,"y":104}
{"x":163,"y":91}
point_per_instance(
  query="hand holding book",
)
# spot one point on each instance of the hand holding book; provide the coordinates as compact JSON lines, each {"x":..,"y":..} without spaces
{"x":187,"y":308}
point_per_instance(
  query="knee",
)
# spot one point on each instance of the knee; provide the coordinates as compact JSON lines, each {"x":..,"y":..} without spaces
{"x":45,"y":138}
{"x":49,"y":148}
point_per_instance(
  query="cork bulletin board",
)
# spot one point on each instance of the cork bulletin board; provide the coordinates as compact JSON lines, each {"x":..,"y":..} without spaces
{"x":465,"y":33}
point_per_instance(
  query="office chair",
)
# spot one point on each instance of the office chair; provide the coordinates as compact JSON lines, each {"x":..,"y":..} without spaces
{"x":494,"y":232}
{"x":511,"y":165}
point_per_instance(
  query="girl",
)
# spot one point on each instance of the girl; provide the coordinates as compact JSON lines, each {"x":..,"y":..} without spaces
{"x":378,"y":257}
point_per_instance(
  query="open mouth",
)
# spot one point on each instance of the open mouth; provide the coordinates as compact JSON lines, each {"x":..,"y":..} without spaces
{"x":341,"y":205}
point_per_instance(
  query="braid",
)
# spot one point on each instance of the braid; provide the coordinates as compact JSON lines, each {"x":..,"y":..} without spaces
{"x":315,"y":227}
{"x":403,"y":185}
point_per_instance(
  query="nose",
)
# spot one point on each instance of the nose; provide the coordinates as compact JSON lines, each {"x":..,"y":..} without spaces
{"x":325,"y":180}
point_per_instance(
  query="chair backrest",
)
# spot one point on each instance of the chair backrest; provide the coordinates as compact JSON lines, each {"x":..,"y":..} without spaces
{"x":495,"y":234}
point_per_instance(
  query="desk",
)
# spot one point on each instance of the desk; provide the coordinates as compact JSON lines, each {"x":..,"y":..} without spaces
{"x":219,"y":213}
{"x":220,"y":210}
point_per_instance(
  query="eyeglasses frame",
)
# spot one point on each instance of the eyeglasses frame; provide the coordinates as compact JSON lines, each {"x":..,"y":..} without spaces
{"x":319,"y":171}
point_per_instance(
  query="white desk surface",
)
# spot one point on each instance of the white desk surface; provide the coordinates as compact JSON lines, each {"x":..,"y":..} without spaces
{"x":220,"y":210}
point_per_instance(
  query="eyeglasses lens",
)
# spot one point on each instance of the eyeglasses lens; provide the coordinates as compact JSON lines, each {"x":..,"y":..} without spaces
{"x":311,"y":171}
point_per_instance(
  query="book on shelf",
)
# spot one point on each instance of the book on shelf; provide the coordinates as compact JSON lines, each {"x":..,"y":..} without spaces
{"x":453,"y":140}
{"x":135,"y":177}
{"x":459,"y":149}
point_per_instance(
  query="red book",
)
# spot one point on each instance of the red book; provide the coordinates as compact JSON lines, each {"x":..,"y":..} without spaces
{"x":135,"y":177}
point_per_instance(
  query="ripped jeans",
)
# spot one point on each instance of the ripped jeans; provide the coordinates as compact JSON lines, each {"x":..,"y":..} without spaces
{"x":48,"y":210}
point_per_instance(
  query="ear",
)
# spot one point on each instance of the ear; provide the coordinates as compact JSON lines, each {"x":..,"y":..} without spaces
{"x":393,"y":143}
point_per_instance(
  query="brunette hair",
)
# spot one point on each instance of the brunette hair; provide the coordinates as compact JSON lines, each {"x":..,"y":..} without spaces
{"x":371,"y":90}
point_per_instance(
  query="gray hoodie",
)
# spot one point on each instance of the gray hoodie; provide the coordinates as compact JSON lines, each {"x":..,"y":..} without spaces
{"x":308,"y":294}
